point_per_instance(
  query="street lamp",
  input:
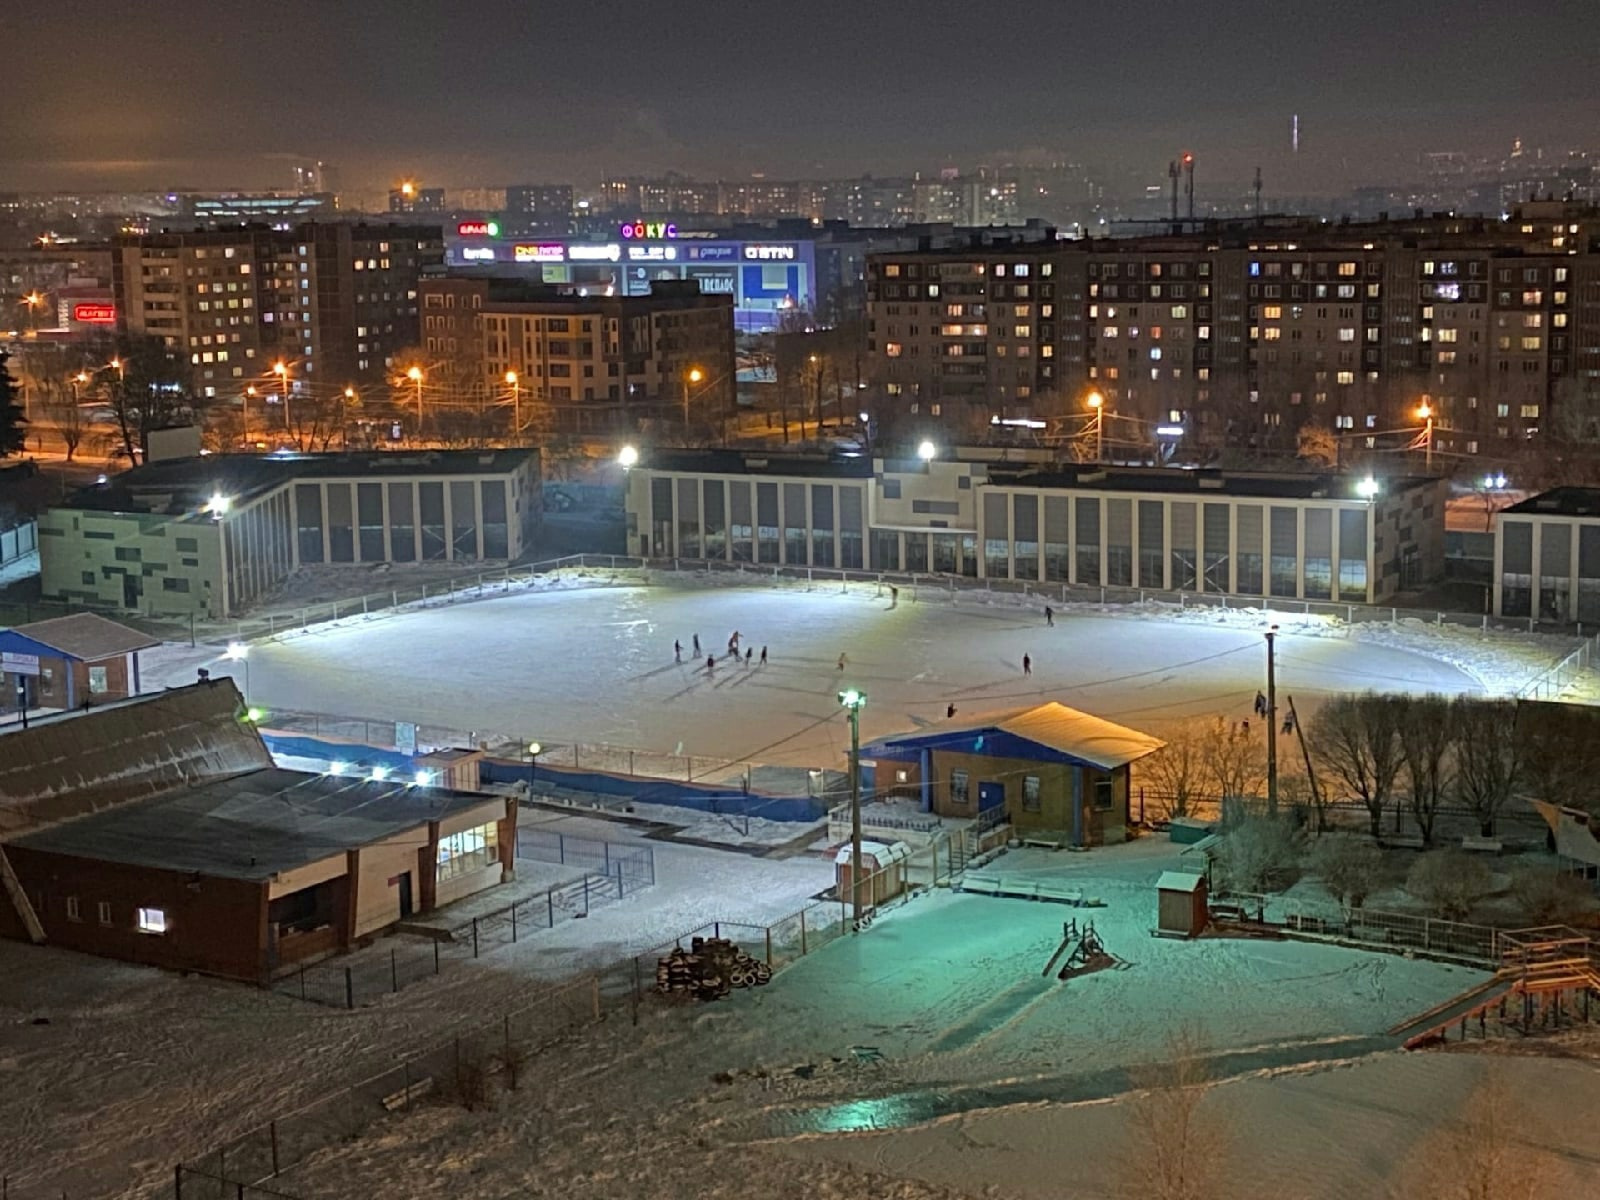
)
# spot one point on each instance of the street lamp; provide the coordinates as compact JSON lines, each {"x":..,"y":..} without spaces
{"x":240,"y":653}
{"x":927,"y":451}
{"x":692,"y":375}
{"x":1097,"y":403}
{"x":628,"y":456}
{"x":416,"y":376}
{"x":250,"y":390}
{"x":853,"y":699}
{"x":281,"y":370}
{"x":1367,"y":488}
{"x":534,"y":750}
{"x":515,"y":383}
{"x":33,"y":300}
{"x":350,"y":397}
{"x":1425,"y":411}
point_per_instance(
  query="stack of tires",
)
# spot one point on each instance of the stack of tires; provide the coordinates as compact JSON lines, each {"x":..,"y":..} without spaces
{"x":709,"y":970}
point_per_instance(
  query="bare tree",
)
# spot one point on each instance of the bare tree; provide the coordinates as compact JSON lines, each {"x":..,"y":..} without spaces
{"x":1317,"y":445}
{"x":1237,"y":759}
{"x":1177,"y":1145}
{"x":1180,"y":771}
{"x":1427,"y":748}
{"x":1349,"y":867}
{"x":1489,"y":759}
{"x":1356,"y":740}
{"x":1449,"y":882}
{"x":1559,"y":753}
{"x":61,"y":408}
{"x":1480,"y":1154}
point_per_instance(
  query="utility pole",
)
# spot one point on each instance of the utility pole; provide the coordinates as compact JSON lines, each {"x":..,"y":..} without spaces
{"x":852,"y":701}
{"x":1272,"y":722}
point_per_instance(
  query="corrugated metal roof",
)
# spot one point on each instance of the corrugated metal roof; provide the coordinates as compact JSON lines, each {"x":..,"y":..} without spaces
{"x":1083,"y":736}
{"x":69,"y":766}
{"x":87,"y":637}
{"x":1178,"y":881}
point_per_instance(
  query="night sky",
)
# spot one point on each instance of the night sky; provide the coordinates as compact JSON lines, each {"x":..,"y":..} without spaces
{"x":206,"y":93}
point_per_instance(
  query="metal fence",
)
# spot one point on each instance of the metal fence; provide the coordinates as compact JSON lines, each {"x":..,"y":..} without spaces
{"x":635,"y":866}
{"x":401,"y":959}
{"x":1394,"y":931}
{"x":1552,"y":684}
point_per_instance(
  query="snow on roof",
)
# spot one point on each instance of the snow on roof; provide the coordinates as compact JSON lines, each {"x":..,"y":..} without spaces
{"x":87,"y":637}
{"x":880,"y":853}
{"x":78,"y":763}
{"x":256,"y":825}
{"x":1178,"y":881}
{"x":1081,"y":735}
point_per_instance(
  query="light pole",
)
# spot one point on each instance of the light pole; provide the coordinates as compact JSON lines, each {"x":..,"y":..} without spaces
{"x":33,"y":300}
{"x":693,"y":375}
{"x":853,"y":699}
{"x":349,"y":398}
{"x":415,"y":375}
{"x":1097,"y":403}
{"x":281,"y":370}
{"x":250,"y":390}
{"x":516,"y":403}
{"x":1425,"y":411}
{"x":534,"y":750}
{"x":240,"y":653}
{"x":1272,"y":722}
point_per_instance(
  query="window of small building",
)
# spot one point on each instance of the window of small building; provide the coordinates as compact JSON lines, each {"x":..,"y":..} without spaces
{"x":1030,"y":793}
{"x":152,"y":920}
{"x":97,"y":680}
{"x":103,"y":912}
{"x":958,"y":788}
{"x":74,"y":912}
{"x":468,"y":851}
{"x":1102,"y":795}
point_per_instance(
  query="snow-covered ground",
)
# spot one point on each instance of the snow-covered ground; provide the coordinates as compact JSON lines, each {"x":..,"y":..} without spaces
{"x":19,"y":568}
{"x":597,"y":666}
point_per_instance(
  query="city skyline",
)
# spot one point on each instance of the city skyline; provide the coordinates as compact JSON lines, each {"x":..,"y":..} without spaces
{"x":509,"y":93}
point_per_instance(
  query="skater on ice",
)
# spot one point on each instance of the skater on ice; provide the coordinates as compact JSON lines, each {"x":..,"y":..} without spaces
{"x":711,"y":664}
{"x":763,"y":656}
{"x":1049,"y":616}
{"x":1027,"y":665}
{"x":677,"y":651}
{"x":842,"y":661}
{"x":894,"y":596}
{"x":697,"y":645}
{"x":749,"y":654}
{"x":949,"y":711}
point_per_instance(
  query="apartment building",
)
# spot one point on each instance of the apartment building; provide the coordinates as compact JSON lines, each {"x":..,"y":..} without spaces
{"x":584,"y":364}
{"x":333,"y":302}
{"x":1244,"y":332}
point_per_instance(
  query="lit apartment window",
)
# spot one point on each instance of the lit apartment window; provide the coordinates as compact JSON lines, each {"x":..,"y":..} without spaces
{"x":1347,"y":334}
{"x":1347,"y":269}
{"x":152,"y":920}
{"x":1530,"y":412}
{"x":1344,"y":422}
{"x":1502,"y":410}
{"x":1531,"y":343}
{"x":1532,"y":320}
{"x":1346,"y":377}
{"x":893,"y":349}
{"x":1271,"y":312}
{"x":1272,"y":333}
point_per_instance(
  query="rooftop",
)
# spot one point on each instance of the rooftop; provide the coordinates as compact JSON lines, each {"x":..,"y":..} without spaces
{"x":251,"y":826}
{"x":183,"y":485}
{"x":1079,"y":736}
{"x":86,"y":637}
{"x":1560,"y":502}
{"x":1198,"y":480}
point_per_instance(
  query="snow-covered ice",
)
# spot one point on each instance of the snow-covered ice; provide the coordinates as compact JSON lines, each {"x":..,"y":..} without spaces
{"x":597,"y":666}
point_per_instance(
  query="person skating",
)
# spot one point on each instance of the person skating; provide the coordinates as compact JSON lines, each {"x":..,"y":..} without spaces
{"x":842,"y":662}
{"x":697,"y":645}
{"x":949,"y":711}
{"x":894,"y":596}
{"x":711,"y":664}
{"x":1027,"y":665}
{"x":749,"y":653}
{"x":1049,"y":615}
{"x":763,"y":656}
{"x":677,"y":651}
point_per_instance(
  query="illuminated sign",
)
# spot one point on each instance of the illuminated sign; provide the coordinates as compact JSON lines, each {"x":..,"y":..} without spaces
{"x":648,"y":230}
{"x":718,"y":253}
{"x":769,"y":253}
{"x":607,"y":253}
{"x":478,"y":229}
{"x":95,"y":314}
{"x":546,"y":252}
{"x":478,"y":253}
{"x":652,"y":253}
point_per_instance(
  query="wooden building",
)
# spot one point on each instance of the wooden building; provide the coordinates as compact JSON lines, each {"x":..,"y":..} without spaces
{"x":1050,"y":768}
{"x":177,"y":843}
{"x":1181,"y":904}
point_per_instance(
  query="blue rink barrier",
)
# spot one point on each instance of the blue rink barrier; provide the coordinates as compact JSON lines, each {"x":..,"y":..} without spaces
{"x":699,"y":797}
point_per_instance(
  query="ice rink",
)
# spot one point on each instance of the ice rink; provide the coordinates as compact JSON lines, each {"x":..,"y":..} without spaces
{"x":597,"y":666}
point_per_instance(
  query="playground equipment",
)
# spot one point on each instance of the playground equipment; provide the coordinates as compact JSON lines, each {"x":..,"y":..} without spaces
{"x":1546,"y":980}
{"x":1085,"y":952}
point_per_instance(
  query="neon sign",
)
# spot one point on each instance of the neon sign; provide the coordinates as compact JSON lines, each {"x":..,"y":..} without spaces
{"x":769,"y":253}
{"x":652,"y":253}
{"x":478,"y":229}
{"x":95,"y":314}
{"x":478,"y":253}
{"x":607,"y":253}
{"x":546,"y":252}
{"x":652,"y":230}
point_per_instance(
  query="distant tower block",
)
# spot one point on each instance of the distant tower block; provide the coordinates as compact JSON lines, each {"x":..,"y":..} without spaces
{"x":1294,"y":133}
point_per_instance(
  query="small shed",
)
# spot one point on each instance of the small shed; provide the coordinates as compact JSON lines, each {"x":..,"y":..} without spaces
{"x":1181,"y":904}
{"x":883,"y":863}
{"x":71,"y":662}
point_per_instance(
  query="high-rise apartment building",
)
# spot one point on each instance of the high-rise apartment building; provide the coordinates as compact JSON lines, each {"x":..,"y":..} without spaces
{"x":575,"y":363}
{"x":544,"y":210}
{"x":333,"y":302}
{"x":408,"y":198}
{"x":1245,"y":332}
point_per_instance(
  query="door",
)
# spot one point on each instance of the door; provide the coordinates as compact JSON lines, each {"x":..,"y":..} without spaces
{"x":405,"y":895}
{"x":130,"y":591}
{"x":991,"y":795}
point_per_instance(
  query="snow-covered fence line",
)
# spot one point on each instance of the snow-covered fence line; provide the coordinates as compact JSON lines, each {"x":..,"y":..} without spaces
{"x":487,"y":584}
{"x":1375,"y":928}
{"x":500,"y":1045}
{"x":635,"y":865}
{"x":1551,"y":684}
